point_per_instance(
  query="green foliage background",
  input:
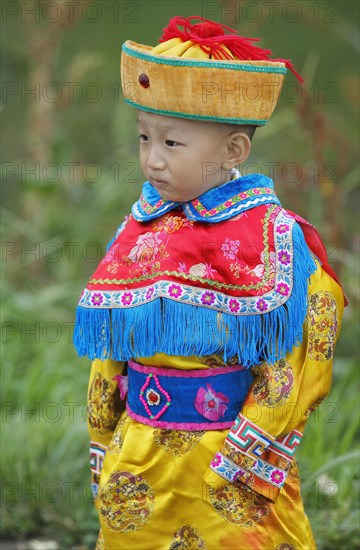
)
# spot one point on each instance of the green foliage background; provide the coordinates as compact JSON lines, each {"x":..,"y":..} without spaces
{"x":55,"y":226}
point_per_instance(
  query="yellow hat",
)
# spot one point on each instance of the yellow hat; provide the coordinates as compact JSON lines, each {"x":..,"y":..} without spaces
{"x":204,"y":74}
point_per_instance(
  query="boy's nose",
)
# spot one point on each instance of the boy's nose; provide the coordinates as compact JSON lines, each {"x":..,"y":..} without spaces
{"x":155,"y":160}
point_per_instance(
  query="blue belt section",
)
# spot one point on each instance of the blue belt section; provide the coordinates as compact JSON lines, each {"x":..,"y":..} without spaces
{"x":208,"y":399}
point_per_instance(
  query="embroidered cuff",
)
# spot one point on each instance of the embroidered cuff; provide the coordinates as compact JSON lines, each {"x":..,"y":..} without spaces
{"x":248,"y":438}
{"x":226,"y":468}
{"x":97,"y":455}
{"x":256,"y":458}
{"x":284,"y":447}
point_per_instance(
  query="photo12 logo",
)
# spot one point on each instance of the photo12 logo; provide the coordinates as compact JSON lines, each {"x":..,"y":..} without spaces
{"x":252,"y":12}
{"x":70,"y":11}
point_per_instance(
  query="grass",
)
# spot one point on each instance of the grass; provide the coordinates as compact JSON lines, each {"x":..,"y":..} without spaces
{"x":329,"y":463}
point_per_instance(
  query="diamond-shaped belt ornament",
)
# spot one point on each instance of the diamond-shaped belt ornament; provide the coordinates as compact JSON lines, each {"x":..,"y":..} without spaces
{"x":153,"y":397}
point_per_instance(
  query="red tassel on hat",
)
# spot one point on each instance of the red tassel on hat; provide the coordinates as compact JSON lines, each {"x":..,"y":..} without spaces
{"x":211,"y":38}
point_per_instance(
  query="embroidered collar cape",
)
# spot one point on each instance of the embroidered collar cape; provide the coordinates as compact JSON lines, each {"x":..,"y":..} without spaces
{"x":225,"y":273}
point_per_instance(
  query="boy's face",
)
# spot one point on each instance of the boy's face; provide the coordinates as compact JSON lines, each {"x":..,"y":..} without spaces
{"x":182,"y":158}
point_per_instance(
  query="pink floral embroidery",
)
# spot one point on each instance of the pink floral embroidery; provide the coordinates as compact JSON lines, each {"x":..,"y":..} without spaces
{"x":284,"y":257}
{"x":282,"y":228}
{"x":274,"y":214}
{"x":147,"y":249}
{"x":209,"y":271}
{"x":208,"y":298}
{"x":170,"y":223}
{"x":283,"y":289}
{"x":261,"y":305}
{"x":126,"y":298}
{"x":210,"y":404}
{"x":109,"y":255}
{"x":97,"y":299}
{"x":230,"y":248}
{"x":112,"y":253}
{"x":175,"y":291}
{"x":257,"y":191}
{"x":149,"y":293}
{"x":188,"y":223}
{"x":234,"y":305}
{"x":228,"y":203}
{"x":202,"y":270}
{"x":216,"y":461}
{"x":277,"y":477}
{"x":113,"y":267}
{"x":238,"y":267}
{"x":243,"y":195}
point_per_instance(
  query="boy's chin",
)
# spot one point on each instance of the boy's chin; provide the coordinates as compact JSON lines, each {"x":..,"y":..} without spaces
{"x":174,"y":198}
{"x":168,"y":196}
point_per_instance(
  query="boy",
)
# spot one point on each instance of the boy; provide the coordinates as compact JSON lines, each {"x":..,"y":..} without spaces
{"x":210,"y":318}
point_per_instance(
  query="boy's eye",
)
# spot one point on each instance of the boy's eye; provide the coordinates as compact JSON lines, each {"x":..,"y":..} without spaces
{"x":143,"y":137}
{"x":171,"y":143}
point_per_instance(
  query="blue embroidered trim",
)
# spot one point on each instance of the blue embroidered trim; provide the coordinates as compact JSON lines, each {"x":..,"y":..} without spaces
{"x":139,"y":213}
{"x":255,"y":329}
{"x":165,"y":60}
{"x":97,"y":455}
{"x":257,"y":122}
{"x":226,"y":468}
{"x":210,"y":200}
{"x":94,"y":489}
{"x":268,"y":472}
{"x":231,"y":212}
{"x":230,"y":471}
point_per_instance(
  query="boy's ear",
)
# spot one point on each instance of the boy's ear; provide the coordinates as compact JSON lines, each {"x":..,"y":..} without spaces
{"x":238,"y":148}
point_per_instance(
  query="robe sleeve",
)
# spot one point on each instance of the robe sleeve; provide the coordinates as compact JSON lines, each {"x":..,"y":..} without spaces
{"x":261,"y":445}
{"x":104,"y":408}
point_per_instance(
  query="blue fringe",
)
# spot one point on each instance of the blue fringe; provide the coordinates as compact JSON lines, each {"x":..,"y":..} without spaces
{"x":174,"y":328}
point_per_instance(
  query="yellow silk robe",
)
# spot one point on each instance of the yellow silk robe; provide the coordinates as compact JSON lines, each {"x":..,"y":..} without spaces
{"x":156,"y":489}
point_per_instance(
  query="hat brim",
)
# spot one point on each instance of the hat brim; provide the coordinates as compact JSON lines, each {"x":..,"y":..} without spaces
{"x":237,"y":92}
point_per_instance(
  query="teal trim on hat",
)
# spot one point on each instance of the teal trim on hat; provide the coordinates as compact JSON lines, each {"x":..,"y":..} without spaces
{"x":253,"y":122}
{"x":165,"y":60}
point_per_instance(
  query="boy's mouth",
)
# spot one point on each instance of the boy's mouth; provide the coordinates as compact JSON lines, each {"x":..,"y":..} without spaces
{"x":157,"y":183}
